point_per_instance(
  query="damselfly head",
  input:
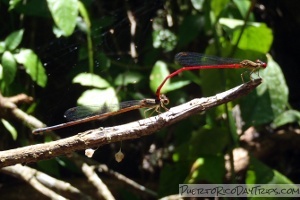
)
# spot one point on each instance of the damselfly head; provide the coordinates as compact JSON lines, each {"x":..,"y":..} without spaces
{"x":261,"y":63}
{"x":164,"y":99}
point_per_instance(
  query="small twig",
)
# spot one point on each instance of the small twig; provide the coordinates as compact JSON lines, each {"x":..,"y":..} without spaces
{"x":94,"y":179}
{"x":43,"y":182}
{"x":133,"y":24}
{"x":79,"y":160}
{"x":133,"y":130}
{"x":28,"y":174}
{"x":20,"y":98}
{"x":9,"y":108}
{"x":121,"y":177}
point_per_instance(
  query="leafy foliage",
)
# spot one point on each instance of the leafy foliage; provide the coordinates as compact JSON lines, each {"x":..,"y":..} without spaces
{"x":95,"y":63}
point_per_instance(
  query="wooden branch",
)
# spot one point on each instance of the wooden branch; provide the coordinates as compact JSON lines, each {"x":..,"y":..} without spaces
{"x":80,"y":160}
{"x":137,"y":129}
{"x":128,"y":181}
{"x":102,"y":190}
{"x":9,"y":108}
{"x":29,"y":175}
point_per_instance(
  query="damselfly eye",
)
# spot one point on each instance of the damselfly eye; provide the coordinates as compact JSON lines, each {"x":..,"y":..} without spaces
{"x":164,"y":100}
{"x":261,"y":63}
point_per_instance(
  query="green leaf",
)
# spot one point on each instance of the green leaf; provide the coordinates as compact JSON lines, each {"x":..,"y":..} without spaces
{"x":84,"y":14}
{"x":9,"y":67}
{"x":176,"y":85}
{"x":2,"y":47}
{"x":64,"y":14}
{"x":58,"y":32}
{"x":290,"y":116}
{"x":243,"y":6}
{"x":233,"y":23}
{"x":256,"y":38}
{"x":210,"y":169}
{"x":1,"y":71}
{"x":128,"y":78}
{"x":97,"y":97}
{"x":93,"y":80}
{"x":13,"y":3}
{"x":269,"y":100}
{"x":259,"y":173}
{"x":203,"y":142}
{"x":197,"y":4}
{"x":14,"y":39}
{"x":217,"y":6}
{"x":10,"y":128}
{"x":158,"y":74}
{"x":33,"y":66}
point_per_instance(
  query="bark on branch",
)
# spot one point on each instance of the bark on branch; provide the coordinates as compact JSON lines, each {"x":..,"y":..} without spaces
{"x":133,"y":130}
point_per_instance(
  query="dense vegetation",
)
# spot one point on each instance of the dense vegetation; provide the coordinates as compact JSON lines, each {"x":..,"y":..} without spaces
{"x":64,"y":53}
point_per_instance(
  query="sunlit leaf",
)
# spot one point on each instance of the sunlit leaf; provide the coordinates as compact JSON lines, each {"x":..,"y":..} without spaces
{"x":128,"y":78}
{"x":33,"y":66}
{"x":1,"y":72}
{"x":14,"y":39}
{"x":255,"y":38}
{"x":210,"y":169}
{"x":243,"y":6}
{"x":177,"y":85}
{"x":98,"y":97}
{"x":64,"y":14}
{"x":233,"y":23}
{"x":10,"y":128}
{"x":289,"y":116}
{"x":259,"y":173}
{"x":13,"y":3}
{"x":158,"y":74}
{"x":2,"y":47}
{"x":84,"y":14}
{"x":93,"y":80}
{"x":198,"y":4}
{"x":9,"y":67}
{"x":269,"y":100}
{"x":217,"y":6}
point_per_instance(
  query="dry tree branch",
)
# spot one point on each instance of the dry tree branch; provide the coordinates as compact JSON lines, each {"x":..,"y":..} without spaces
{"x":137,"y":129}
{"x":44,"y":183}
{"x":80,"y":161}
{"x":122,"y":178}
{"x":40,"y":181}
{"x":29,"y":175}
{"x":102,"y":190}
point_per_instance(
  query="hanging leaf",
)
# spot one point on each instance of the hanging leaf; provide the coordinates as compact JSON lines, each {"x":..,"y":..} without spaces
{"x":10,"y":128}
{"x":9,"y":67}
{"x":32,"y":65}
{"x":92,"y":80}
{"x":64,"y":14}
{"x":14,"y":39}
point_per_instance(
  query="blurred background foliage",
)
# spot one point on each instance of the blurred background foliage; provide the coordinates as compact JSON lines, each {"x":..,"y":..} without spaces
{"x":89,"y":52}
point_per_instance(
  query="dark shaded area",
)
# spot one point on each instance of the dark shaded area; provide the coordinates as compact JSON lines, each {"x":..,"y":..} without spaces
{"x":284,"y":19}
